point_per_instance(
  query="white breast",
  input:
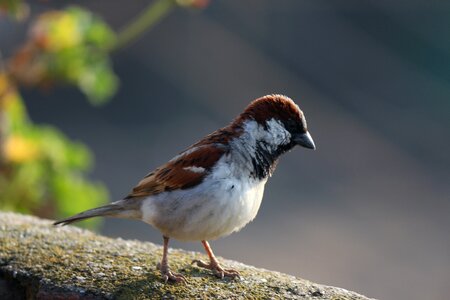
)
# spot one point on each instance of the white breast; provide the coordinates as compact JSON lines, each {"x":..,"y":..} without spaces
{"x":223,"y":203}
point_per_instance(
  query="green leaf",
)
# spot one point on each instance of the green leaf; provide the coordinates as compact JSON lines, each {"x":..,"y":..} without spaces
{"x":99,"y":82}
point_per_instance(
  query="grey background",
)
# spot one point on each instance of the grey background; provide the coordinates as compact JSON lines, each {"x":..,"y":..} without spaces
{"x":369,"y":210}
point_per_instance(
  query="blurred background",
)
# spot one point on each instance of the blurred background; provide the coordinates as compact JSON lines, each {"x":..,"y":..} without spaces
{"x":368,"y":211}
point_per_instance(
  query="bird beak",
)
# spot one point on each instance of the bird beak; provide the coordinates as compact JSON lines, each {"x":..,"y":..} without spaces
{"x":305,"y":140}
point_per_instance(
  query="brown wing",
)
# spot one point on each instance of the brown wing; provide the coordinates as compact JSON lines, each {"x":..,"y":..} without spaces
{"x":182,"y":172}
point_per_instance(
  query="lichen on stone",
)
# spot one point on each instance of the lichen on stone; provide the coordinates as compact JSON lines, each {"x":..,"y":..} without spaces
{"x":52,"y":260}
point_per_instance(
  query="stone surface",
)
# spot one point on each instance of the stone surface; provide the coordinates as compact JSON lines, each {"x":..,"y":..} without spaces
{"x":40,"y":261}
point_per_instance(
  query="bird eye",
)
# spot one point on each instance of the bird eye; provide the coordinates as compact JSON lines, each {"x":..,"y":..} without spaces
{"x":292,"y":125}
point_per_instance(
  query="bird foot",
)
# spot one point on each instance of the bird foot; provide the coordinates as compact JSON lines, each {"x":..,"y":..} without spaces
{"x":215,"y":267}
{"x":168,"y":275}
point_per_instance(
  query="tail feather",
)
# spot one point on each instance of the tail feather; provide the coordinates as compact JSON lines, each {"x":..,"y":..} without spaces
{"x":103,"y":211}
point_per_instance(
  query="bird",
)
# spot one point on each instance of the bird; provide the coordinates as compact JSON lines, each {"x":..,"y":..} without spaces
{"x":214,"y":187}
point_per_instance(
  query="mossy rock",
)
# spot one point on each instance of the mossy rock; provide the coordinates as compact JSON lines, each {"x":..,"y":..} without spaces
{"x":40,"y":261}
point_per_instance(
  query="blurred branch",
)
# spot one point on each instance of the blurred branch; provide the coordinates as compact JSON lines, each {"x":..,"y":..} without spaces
{"x":154,"y":13}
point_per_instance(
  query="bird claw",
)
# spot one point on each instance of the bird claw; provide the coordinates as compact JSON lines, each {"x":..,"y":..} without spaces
{"x":217,"y":269}
{"x":168,"y":275}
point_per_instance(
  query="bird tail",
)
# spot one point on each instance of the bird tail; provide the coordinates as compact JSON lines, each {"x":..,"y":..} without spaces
{"x":110,"y":210}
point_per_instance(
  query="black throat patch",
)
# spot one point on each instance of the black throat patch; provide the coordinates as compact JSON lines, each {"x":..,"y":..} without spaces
{"x":265,"y":160}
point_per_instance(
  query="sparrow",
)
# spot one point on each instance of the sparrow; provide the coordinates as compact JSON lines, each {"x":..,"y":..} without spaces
{"x":214,"y":187}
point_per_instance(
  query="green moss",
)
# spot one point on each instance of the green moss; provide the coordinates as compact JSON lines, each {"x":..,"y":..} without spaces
{"x":79,"y":260}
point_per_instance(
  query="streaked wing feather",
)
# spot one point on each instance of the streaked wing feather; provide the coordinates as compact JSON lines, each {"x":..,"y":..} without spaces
{"x":179,"y":173}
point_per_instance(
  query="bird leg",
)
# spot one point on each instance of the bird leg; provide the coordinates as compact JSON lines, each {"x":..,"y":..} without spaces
{"x":214,"y":265}
{"x":164,"y":266}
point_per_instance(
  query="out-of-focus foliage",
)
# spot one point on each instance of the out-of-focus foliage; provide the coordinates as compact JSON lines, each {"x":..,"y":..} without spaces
{"x":15,"y":8}
{"x":68,"y":46}
{"x":41,"y":171}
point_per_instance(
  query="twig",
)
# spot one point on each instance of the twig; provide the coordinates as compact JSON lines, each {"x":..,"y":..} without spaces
{"x":154,"y":13}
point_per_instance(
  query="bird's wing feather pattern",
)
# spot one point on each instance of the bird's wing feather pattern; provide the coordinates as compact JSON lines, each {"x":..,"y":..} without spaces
{"x":182,"y":172}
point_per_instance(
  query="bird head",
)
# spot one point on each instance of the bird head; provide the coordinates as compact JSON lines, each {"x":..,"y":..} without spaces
{"x":278,"y":122}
